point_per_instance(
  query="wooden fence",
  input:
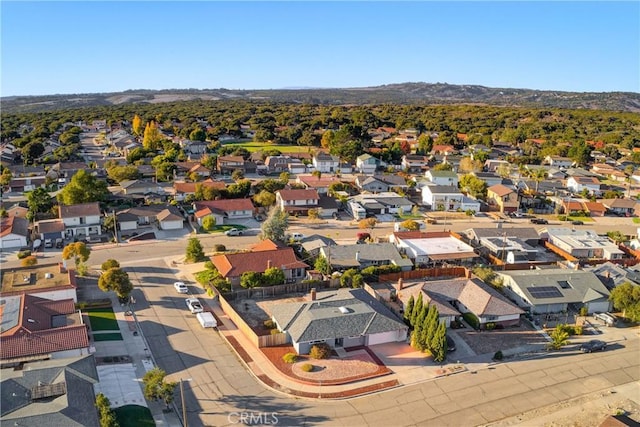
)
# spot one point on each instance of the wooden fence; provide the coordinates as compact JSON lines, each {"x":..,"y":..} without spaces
{"x":272,"y":291}
{"x":257,"y":340}
{"x":423,"y":273}
{"x":560,"y":252}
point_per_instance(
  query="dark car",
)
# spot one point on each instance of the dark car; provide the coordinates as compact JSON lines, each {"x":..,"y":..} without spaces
{"x":451,"y":344}
{"x":59,"y":243}
{"x":576,"y":222}
{"x":539,"y":221}
{"x":593,"y":345}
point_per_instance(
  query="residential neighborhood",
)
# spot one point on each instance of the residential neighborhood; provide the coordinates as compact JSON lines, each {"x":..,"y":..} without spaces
{"x":318,"y":274}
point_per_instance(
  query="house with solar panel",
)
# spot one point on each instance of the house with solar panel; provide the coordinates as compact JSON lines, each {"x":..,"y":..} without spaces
{"x":556,"y":290}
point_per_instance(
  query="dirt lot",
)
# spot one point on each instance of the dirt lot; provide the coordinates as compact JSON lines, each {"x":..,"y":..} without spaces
{"x":255,"y":312}
{"x":482,"y":342}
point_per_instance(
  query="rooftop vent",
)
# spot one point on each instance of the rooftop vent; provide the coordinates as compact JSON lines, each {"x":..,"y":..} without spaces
{"x":48,"y":276}
{"x":344,"y":310}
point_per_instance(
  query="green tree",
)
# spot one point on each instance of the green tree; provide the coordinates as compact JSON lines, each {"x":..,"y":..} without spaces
{"x":265,"y":198}
{"x":251,"y":279}
{"x":430,"y":326}
{"x":79,"y":251}
{"x":117,"y":280}
{"x":408,"y":310}
{"x":38,"y":201}
{"x":208,"y":223}
{"x":559,"y":337}
{"x":538,"y":175}
{"x":237,"y":175}
{"x":106,"y":414}
{"x":418,"y":330}
{"x":504,"y":170}
{"x":443,"y":167}
{"x":83,"y":188}
{"x":152,"y":137}
{"x":31,"y":152}
{"x":616,"y":236}
{"x":123,"y":173}
{"x":322,"y":265}
{"x":284,"y":177}
{"x":410,"y":225}
{"x":367,"y":224}
{"x":626,"y":297}
{"x":273,"y":276}
{"x":198,"y":134}
{"x":474,"y":186}
{"x":109,"y":264}
{"x":275,"y":226}
{"x":156,"y":388}
{"x":351,"y":279}
{"x":417,"y":308}
{"x":439,"y":343}
{"x":194,"y":252}
{"x":313,"y":213}
{"x":6,"y":176}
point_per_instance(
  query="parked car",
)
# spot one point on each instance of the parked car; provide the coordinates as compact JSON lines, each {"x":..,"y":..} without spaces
{"x":539,"y":221}
{"x":233,"y":232}
{"x":296,"y":237}
{"x":48,"y":243}
{"x":593,"y":345}
{"x":181,"y":287}
{"x":577,"y":222}
{"x":608,"y":318}
{"x":451,"y":344}
{"x":59,"y":243}
{"x":194,"y":305}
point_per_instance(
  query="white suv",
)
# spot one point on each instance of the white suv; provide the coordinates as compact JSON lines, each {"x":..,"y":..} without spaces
{"x":194,"y":305}
{"x":181,"y":287}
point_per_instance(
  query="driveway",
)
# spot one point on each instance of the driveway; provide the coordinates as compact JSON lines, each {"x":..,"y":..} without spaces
{"x":120,"y":385}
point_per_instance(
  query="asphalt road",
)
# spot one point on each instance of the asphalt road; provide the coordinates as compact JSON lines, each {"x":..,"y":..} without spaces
{"x":221,"y":389}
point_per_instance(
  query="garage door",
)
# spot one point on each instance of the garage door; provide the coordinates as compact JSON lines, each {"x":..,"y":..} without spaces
{"x":11,"y":243}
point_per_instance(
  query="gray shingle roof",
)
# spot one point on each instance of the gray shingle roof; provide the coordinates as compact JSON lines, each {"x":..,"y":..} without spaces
{"x":336,"y":314}
{"x":345,"y":255}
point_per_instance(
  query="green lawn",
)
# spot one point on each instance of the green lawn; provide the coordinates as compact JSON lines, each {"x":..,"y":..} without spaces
{"x":223,"y":228}
{"x":102,"y":319}
{"x":134,"y":416}
{"x":636,"y":220}
{"x":259,"y":146}
{"x":108,"y":336}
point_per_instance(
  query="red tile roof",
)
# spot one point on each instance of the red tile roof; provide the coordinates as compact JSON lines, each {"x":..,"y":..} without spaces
{"x":266,"y":245}
{"x":299,"y":195}
{"x":14,"y":225}
{"x":500,"y":190}
{"x":34,"y":333}
{"x":315,"y":182}
{"x":190,"y":187}
{"x":442,"y":149}
{"x":233,"y":265}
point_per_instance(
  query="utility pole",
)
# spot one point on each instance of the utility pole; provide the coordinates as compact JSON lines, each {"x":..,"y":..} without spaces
{"x":115,"y":226}
{"x":184,"y":408}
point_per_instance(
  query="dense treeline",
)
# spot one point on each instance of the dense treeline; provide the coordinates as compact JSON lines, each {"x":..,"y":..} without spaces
{"x":304,"y":124}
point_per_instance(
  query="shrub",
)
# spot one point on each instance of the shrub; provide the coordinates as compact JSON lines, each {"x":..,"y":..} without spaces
{"x":269,"y":324}
{"x":490,"y":326}
{"x":577,"y":330}
{"x":274,"y":331}
{"x":307,"y":367}
{"x":110,"y":263}
{"x":219,"y":247}
{"x":290,"y":358}
{"x":320,"y":351}
{"x":584,"y":311}
{"x":23,"y":254}
{"x":471,"y":319}
{"x":29,"y":261}
{"x":498,"y":355}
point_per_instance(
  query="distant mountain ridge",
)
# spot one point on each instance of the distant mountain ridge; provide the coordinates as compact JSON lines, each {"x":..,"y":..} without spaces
{"x":398,"y":93}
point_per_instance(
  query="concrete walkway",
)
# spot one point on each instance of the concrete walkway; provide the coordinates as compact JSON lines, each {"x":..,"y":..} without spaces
{"x":122,"y":383}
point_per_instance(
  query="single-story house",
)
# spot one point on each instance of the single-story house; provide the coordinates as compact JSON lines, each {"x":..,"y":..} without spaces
{"x":345,"y":257}
{"x":342,"y":318}
{"x":14,"y":232}
{"x":556,"y":290}
{"x":425,"y":248}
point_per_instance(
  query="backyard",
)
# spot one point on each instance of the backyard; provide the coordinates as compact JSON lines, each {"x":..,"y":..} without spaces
{"x":102,"y":319}
{"x":258,"y":146}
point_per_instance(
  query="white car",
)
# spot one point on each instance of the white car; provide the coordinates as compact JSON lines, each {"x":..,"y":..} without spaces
{"x":194,"y":305}
{"x":181,"y":287}
{"x":233,"y":232}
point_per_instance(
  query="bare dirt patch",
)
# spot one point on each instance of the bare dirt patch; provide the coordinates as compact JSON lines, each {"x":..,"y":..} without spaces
{"x":482,"y":342}
{"x":255,"y":312}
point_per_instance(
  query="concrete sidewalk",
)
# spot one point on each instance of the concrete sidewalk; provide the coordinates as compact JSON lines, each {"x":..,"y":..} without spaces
{"x":133,"y":344}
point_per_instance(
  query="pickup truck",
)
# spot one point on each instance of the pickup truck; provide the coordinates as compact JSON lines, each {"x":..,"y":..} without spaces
{"x":194,"y":305}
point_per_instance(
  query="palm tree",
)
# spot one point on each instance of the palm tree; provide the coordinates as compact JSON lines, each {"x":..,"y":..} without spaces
{"x":559,"y":338}
{"x":538,"y":175}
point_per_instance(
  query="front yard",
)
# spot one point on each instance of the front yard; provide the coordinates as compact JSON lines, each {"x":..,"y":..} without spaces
{"x":102,"y":319}
{"x":483,"y":342}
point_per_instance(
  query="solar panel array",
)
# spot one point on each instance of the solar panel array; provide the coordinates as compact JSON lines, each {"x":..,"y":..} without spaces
{"x":48,"y":390}
{"x":542,"y":292}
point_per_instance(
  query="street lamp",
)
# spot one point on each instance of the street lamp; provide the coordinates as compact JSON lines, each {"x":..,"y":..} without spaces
{"x":184,"y":407}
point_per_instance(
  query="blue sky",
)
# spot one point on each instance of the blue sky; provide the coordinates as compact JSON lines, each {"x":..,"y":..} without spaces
{"x":83,"y":47}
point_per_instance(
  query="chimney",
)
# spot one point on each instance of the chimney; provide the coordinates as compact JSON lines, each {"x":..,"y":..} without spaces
{"x":400,"y":284}
{"x":467,"y":273}
{"x":312,"y":294}
{"x":268,"y":264}
{"x":358,"y":256}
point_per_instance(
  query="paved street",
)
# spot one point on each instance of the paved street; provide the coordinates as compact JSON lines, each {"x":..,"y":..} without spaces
{"x":220,"y":387}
